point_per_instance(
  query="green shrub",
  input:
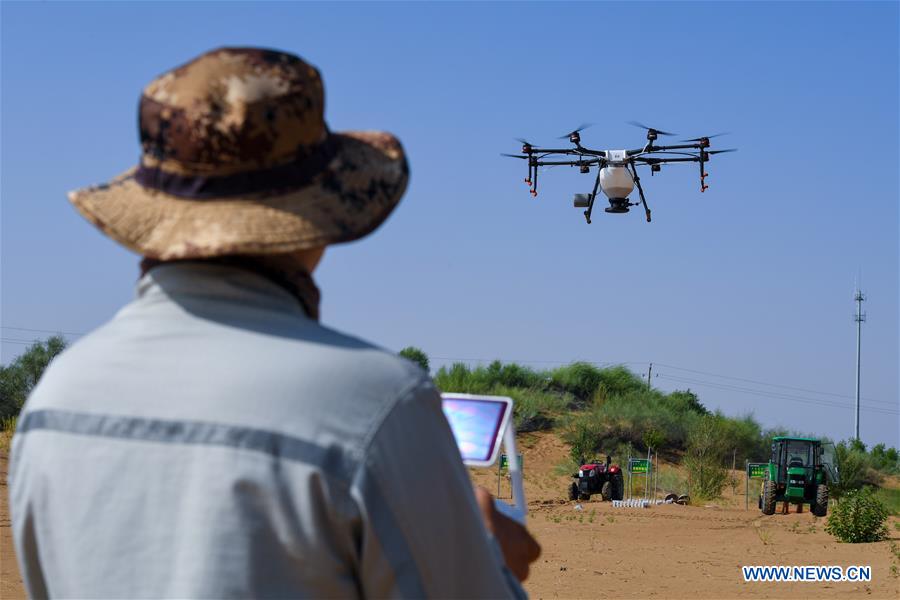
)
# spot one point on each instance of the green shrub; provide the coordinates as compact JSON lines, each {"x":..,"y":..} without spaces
{"x":671,"y":483}
{"x":415,"y":355}
{"x":533,"y":409}
{"x":583,"y":437}
{"x":858,"y":517}
{"x":705,"y":456}
{"x":7,"y":429}
{"x":536,"y":406}
{"x":653,"y":437}
{"x":854,"y":467}
{"x":890,"y":497}
{"x":579,"y":379}
{"x":886,"y":460}
{"x":745,"y":439}
{"x":481,"y":380}
{"x":685,"y":401}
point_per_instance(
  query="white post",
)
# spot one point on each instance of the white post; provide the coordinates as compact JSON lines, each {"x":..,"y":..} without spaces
{"x":515,"y":470}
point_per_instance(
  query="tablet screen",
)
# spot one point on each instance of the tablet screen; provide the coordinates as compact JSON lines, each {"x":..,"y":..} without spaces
{"x":477,"y":424}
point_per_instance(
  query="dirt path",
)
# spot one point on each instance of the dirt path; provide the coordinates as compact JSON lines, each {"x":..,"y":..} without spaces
{"x":10,"y":581}
{"x":678,"y":552}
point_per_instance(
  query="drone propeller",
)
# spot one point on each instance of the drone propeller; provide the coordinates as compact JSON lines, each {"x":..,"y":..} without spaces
{"x":514,"y":155}
{"x":526,"y":145}
{"x":721,"y":151}
{"x":575,"y":131}
{"x":657,"y":131}
{"x":706,"y":137}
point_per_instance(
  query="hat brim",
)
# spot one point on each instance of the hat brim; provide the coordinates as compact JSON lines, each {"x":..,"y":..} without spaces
{"x":349,"y":199}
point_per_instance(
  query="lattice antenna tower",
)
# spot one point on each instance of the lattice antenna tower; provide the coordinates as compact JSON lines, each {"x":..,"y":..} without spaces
{"x":859,"y":318}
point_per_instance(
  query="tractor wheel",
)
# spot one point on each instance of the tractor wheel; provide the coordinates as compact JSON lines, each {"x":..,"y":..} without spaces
{"x":618,"y":487}
{"x":768,"y":498}
{"x":606,"y":491}
{"x":573,"y":492}
{"x":820,"y":508}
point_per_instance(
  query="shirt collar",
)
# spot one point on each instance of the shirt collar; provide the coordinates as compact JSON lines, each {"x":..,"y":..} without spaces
{"x":214,"y":282}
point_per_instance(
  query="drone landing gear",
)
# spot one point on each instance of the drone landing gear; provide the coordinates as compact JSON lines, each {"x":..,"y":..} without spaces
{"x":703,"y":174}
{"x":593,"y":196}
{"x":637,"y":182}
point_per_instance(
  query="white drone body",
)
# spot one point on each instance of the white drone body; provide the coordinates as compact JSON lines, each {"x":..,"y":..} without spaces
{"x":615,"y":178}
{"x":617,"y":174}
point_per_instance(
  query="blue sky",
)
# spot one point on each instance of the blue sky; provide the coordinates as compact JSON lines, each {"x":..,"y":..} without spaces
{"x":743,"y":294}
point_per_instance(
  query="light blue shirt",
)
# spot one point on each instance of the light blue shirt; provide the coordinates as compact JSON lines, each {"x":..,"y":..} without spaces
{"x":211,"y":441}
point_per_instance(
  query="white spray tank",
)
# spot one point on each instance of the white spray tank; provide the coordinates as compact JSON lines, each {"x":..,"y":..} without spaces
{"x":615,"y":178}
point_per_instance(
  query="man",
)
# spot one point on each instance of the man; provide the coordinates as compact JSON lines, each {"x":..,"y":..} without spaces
{"x":214,"y":440}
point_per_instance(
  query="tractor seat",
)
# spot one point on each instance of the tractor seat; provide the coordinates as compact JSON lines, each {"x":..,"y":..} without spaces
{"x":796,"y":462}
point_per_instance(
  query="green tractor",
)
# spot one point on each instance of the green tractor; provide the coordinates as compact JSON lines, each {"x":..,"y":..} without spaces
{"x":799,"y":472}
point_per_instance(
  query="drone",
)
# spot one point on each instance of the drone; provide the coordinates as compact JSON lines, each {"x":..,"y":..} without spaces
{"x":617,"y":173}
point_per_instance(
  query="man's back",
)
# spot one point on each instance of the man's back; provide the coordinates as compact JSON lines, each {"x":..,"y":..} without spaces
{"x":213,"y":441}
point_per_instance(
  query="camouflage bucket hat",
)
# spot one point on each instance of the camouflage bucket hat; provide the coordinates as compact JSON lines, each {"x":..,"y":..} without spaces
{"x":237,"y":159}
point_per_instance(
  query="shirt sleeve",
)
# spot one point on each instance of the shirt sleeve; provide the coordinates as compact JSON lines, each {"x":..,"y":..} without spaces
{"x":422,"y":534}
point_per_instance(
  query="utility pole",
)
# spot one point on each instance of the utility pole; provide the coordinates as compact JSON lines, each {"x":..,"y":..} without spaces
{"x":650,"y":370}
{"x":860,"y":318}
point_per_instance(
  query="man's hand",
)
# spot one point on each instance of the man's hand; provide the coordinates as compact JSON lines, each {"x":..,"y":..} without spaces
{"x":519,"y":548}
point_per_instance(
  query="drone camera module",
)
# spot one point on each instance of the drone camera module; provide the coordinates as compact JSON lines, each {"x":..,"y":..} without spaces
{"x":582,"y":200}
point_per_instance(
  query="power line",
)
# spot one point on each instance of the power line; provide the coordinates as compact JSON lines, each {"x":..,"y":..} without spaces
{"x":21,"y":341}
{"x":787,"y":387}
{"x":773,"y":395}
{"x":56,"y":331}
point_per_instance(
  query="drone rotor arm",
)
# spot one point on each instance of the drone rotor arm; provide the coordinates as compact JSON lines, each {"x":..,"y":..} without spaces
{"x":668,"y":156}
{"x":571,"y":163}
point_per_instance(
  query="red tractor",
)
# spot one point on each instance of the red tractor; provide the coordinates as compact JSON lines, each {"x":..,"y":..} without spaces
{"x":598,"y":478}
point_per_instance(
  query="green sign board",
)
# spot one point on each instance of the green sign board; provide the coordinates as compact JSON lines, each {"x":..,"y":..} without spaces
{"x":757,"y":470}
{"x":504,"y":461}
{"x":639,"y":465}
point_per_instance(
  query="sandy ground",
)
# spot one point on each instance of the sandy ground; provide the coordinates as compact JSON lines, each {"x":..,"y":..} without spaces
{"x":677,"y":551}
{"x":10,"y":580}
{"x":660,"y":552}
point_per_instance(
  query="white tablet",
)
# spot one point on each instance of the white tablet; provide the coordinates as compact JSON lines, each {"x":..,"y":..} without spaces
{"x":478,"y":424}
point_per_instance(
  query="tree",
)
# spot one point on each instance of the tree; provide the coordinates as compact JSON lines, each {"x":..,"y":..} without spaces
{"x":417,"y":356}
{"x":705,"y":456}
{"x":19,"y":377}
